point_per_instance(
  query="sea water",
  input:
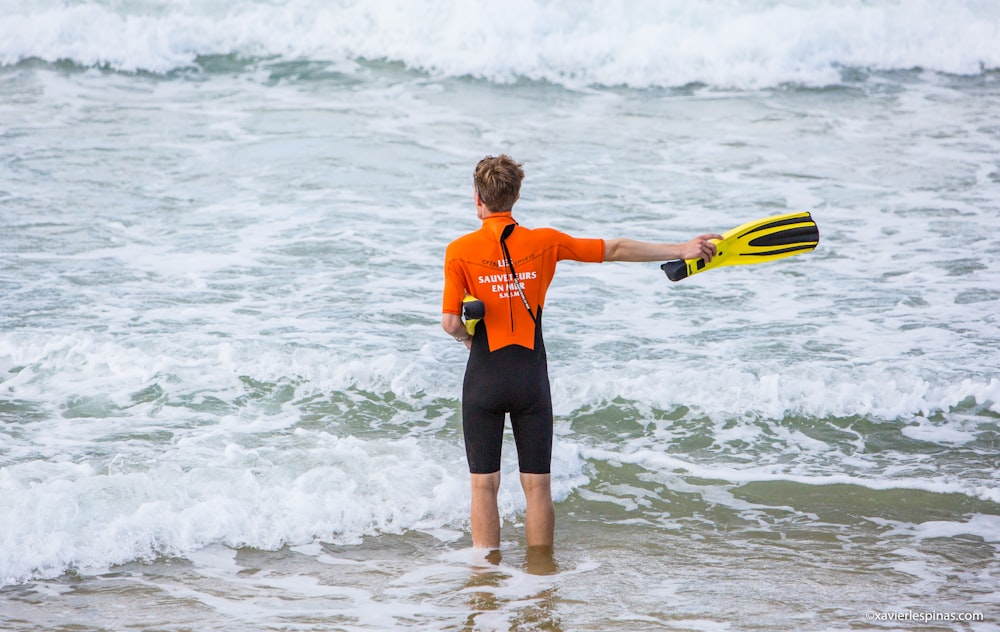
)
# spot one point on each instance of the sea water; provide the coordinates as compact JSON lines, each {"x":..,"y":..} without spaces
{"x":226,"y":401}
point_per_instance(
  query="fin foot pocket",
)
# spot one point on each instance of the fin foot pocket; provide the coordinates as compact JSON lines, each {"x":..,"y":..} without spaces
{"x":675,"y":270}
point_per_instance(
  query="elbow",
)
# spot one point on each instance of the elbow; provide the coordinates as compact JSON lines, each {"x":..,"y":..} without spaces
{"x":451,"y":323}
{"x":613,"y":249}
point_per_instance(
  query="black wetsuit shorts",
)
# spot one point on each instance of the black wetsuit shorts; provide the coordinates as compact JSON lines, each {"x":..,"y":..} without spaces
{"x":514,"y":380}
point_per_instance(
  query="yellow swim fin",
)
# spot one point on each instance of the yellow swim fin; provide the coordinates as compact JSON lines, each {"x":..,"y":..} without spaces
{"x":754,"y":242}
{"x":473,"y":309}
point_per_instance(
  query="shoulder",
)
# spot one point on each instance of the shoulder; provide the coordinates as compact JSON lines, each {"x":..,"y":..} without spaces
{"x":546,"y":233}
{"x":463,"y":241}
{"x":466,"y":248}
{"x":552,"y":235}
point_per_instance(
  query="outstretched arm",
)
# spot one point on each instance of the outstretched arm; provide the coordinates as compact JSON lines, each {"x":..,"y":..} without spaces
{"x":631,"y":250}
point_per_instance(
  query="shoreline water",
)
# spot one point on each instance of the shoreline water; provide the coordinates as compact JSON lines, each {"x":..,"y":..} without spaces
{"x":676,"y":577}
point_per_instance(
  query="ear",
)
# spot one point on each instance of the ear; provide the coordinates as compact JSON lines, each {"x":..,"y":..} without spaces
{"x":481,"y":210}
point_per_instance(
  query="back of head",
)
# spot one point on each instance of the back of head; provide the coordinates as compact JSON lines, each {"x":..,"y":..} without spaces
{"x":498,"y":181}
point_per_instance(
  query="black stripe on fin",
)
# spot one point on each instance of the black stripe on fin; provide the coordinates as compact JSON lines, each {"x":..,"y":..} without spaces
{"x":787,"y":237}
{"x":780,"y":251}
{"x":783,"y":222}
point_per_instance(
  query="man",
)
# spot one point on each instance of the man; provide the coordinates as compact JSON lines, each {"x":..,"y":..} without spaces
{"x":509,"y":268}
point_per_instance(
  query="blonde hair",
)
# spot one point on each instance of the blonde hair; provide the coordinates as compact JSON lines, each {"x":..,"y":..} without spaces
{"x":498,"y":181}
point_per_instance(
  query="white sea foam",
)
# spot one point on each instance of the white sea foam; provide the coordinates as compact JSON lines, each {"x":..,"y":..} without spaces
{"x":982,"y":526}
{"x":222,"y":289}
{"x":214,"y":484}
{"x":640,"y":44}
{"x":210,"y":490}
{"x":668,"y":464}
{"x":105,"y":480}
{"x":207,"y":490}
{"x":38,"y":365}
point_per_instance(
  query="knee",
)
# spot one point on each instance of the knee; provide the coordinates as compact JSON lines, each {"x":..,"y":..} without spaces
{"x":486,"y":483}
{"x":537,"y":485}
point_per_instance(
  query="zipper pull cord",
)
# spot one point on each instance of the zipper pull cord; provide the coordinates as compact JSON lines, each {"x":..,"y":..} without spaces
{"x":513,"y":273}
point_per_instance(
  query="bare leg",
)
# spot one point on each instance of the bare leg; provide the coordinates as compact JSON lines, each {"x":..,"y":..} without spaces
{"x":540,"y":518}
{"x":485,"y":514}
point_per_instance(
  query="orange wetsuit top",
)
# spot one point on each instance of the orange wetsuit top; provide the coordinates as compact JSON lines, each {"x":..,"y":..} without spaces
{"x":475,"y":264}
